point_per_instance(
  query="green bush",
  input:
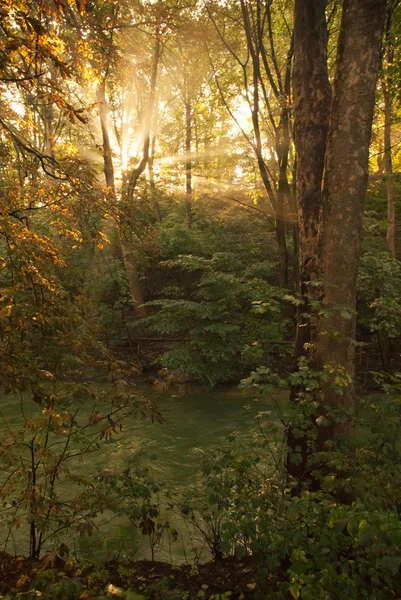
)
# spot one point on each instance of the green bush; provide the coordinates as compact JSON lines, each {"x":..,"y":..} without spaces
{"x":230,"y":323}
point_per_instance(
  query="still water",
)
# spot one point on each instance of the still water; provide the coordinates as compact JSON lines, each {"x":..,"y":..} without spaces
{"x":173,"y":450}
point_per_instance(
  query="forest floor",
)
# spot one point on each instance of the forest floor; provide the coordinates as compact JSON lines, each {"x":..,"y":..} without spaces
{"x":229,"y":578}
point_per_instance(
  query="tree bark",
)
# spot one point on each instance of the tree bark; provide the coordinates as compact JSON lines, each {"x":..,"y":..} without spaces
{"x":344,"y":185}
{"x":388,"y":162}
{"x":331,"y":221}
{"x":137,"y":172}
{"x":155,"y":202}
{"x":312,"y":95}
{"x":188,"y":162}
{"x":108,"y":167}
{"x":134,"y":282}
{"x":254,"y":22}
{"x":388,"y":166}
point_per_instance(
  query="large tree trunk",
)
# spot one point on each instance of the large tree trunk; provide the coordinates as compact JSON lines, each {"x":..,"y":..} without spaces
{"x":344,"y":188}
{"x":331,"y":222}
{"x":312,"y":94}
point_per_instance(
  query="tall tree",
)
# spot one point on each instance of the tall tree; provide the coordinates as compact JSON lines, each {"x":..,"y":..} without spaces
{"x":332,"y":219}
{"x":106,"y":59}
{"x":387,"y":89}
{"x":188,"y":71}
{"x":133,"y":177}
{"x":312,"y":96}
{"x":265,"y":62}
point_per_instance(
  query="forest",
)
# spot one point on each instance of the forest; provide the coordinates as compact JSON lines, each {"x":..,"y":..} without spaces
{"x":200,"y":299}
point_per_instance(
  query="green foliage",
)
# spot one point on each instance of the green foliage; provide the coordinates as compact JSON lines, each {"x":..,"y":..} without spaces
{"x":339,"y":550}
{"x":319,"y":546}
{"x":54,"y":585}
{"x":138,"y":497}
{"x":229,"y":319}
{"x":379,"y":288}
{"x":120,"y":545}
{"x":239,"y":486}
{"x":44,"y":486}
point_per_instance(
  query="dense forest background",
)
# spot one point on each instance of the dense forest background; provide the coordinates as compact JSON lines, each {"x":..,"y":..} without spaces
{"x":196,"y":195}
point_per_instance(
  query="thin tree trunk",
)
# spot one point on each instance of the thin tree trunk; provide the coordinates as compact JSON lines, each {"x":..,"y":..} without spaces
{"x":153,"y":191}
{"x":276,"y":197}
{"x":188,"y":162}
{"x":256,"y":17}
{"x":283,"y":195}
{"x":286,"y":199}
{"x":137,"y":172}
{"x":108,"y":167}
{"x":280,"y":226}
{"x":277,"y":203}
{"x":134,"y":282}
{"x":48,"y":129}
{"x":388,"y":162}
{"x":295,"y":227}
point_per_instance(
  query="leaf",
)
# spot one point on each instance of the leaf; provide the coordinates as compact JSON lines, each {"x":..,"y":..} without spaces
{"x":353,"y":528}
{"x":391,"y":564}
{"x":94,"y":418}
{"x":21,"y":581}
{"x":147,"y":526}
{"x":48,"y":560}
